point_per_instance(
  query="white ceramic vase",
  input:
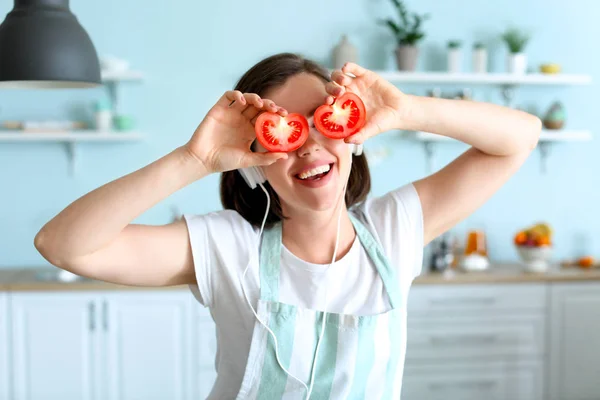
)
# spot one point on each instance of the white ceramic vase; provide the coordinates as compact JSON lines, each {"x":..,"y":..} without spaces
{"x":480,"y":61}
{"x":516,"y":63}
{"x":344,"y":52}
{"x":454,"y":60}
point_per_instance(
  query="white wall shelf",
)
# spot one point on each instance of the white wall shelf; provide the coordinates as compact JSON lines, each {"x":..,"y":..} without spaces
{"x":547,"y":138}
{"x":562,"y":135}
{"x":69,"y":140}
{"x":486,"y":78}
{"x":110,"y":76}
{"x":508,"y":82}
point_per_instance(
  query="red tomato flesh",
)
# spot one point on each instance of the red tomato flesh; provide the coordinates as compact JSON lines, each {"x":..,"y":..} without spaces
{"x":343,"y":118}
{"x":281,"y":134}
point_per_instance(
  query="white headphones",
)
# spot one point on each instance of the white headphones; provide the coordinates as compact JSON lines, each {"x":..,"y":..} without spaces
{"x":255,"y":176}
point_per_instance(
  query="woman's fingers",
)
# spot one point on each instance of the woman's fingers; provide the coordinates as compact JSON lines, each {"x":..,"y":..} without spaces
{"x":354,"y":69}
{"x":341,"y":78}
{"x":334,"y":89}
{"x":255,"y":103}
{"x":236,"y":99}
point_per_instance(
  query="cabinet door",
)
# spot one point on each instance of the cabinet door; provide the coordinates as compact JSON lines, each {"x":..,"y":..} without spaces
{"x":495,"y":380}
{"x":206,"y":349}
{"x":148,"y":345}
{"x":574,"y":357}
{"x":54,"y":354}
{"x":4,"y":346}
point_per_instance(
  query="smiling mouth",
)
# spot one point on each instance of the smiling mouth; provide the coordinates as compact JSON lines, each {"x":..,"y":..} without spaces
{"x":315,"y":174}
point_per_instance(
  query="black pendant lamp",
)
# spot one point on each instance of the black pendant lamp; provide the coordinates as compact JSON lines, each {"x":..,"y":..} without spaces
{"x":42,"y":45}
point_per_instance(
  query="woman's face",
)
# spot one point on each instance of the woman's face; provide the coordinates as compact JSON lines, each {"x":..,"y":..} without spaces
{"x":312,"y":177}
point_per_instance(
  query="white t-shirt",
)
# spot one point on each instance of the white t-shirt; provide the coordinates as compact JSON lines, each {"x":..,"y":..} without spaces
{"x":223,"y":243}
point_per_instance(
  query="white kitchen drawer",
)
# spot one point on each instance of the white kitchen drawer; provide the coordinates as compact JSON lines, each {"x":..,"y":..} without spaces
{"x":482,"y":299}
{"x":483,"y":381}
{"x":466,"y":337}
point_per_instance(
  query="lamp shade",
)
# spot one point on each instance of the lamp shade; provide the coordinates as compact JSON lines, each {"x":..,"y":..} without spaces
{"x":42,"y":45}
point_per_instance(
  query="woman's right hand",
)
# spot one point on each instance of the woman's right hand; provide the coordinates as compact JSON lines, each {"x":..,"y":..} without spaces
{"x":222,"y":140}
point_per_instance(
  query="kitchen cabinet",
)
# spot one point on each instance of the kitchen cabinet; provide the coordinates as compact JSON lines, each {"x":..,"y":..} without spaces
{"x":111,"y":345}
{"x":147,"y":338}
{"x":492,"y":380}
{"x":55,"y":346}
{"x":206,"y":350}
{"x":476,"y":342}
{"x":5,"y":381}
{"x":574,"y":357}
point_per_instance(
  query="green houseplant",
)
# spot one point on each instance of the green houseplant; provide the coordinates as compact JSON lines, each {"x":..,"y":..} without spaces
{"x":407,"y":31}
{"x":516,"y":41}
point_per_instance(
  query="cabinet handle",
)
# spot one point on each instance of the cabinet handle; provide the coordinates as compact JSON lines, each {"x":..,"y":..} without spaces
{"x":463,"y":385}
{"x":464,"y":339}
{"x":92,"y":316}
{"x":464,"y":300}
{"x":105,"y":315}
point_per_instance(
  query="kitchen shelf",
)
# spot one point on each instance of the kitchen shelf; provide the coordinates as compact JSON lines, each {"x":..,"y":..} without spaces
{"x":69,"y":139}
{"x":508,"y":82}
{"x":562,"y":135}
{"x":115,"y":76}
{"x":486,"y":78}
{"x":547,"y":137}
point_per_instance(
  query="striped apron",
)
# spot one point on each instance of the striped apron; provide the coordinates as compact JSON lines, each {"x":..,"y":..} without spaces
{"x":361,"y":357}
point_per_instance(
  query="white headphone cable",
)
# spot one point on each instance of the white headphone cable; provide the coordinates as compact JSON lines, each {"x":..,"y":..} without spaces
{"x":242,"y":279}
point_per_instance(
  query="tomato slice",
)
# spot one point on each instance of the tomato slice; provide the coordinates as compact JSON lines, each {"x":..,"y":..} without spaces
{"x":343,"y":118}
{"x":281,"y":134}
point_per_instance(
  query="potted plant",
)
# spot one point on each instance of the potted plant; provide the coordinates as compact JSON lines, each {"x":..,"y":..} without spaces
{"x":516,"y":41}
{"x":407,"y":32}
{"x":454,"y":56}
{"x":480,"y":58}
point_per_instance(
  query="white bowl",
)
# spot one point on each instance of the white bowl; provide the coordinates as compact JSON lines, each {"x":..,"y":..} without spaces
{"x":535,"y":259}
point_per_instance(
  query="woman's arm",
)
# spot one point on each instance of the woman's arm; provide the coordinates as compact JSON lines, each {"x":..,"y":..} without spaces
{"x":502,"y":139}
{"x":94,"y":236}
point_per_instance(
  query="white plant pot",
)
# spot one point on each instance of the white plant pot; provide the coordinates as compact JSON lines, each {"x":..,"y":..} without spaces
{"x":480,"y":61}
{"x":454,"y":60}
{"x":516,"y":63}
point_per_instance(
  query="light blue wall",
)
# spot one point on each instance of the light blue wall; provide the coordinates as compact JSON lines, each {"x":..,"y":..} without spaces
{"x":192,"y":51}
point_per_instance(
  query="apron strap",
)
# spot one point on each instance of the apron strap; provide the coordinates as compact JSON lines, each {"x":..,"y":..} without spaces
{"x":386,"y":271}
{"x":270,"y":257}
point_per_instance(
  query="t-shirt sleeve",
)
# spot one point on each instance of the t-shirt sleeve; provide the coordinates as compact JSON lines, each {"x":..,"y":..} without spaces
{"x":220,"y":243}
{"x":397,"y":219}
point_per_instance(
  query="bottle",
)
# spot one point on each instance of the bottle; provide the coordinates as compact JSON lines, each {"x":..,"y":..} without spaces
{"x":103,"y":115}
{"x":344,"y":52}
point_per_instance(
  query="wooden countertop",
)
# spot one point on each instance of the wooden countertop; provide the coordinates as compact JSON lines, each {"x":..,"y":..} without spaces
{"x":508,"y":273}
{"x":27,"y":279}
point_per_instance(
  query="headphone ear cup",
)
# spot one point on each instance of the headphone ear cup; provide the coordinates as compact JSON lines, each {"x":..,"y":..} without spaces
{"x":253,"y":176}
{"x":356,"y":149}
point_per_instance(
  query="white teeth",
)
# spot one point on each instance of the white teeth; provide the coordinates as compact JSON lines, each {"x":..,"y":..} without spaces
{"x":314,"y":171}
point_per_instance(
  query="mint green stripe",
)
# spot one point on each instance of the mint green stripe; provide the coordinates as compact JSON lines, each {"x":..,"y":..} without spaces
{"x":365,"y":358}
{"x":326,"y":361}
{"x":274,"y":379}
{"x":395,"y":331}
{"x":270,"y":255}
{"x":377,"y":255}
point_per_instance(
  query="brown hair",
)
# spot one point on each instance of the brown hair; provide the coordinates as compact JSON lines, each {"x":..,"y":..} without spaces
{"x":236,"y":195}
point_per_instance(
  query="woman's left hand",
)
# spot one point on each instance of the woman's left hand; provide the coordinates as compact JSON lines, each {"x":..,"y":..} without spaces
{"x":384,"y":102}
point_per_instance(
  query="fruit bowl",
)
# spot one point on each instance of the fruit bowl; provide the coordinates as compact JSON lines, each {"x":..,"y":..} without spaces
{"x":535,"y":258}
{"x":534,"y":246}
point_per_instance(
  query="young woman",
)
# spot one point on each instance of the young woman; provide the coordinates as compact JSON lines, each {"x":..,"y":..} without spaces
{"x":335,"y":329}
